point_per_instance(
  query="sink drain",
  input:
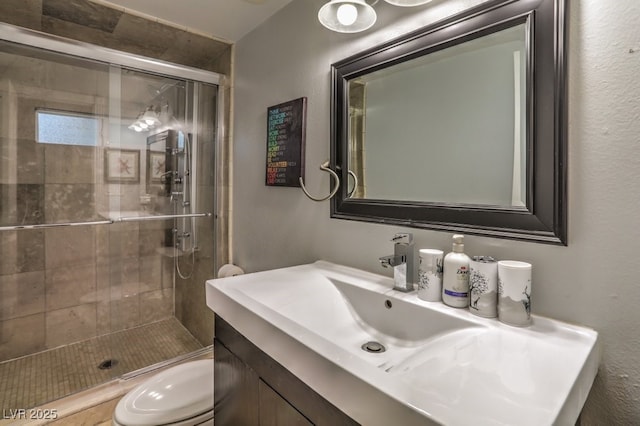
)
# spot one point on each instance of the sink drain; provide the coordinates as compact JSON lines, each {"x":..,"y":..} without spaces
{"x":108,"y":364}
{"x":373,"y":347}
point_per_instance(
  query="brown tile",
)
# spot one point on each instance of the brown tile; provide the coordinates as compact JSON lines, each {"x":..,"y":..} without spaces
{"x":69,"y":203}
{"x":103,"y":317}
{"x":81,"y":12}
{"x":47,"y":376}
{"x":123,"y":240}
{"x":143,"y":36}
{"x":22,"y":336}
{"x":150,"y":273}
{"x":21,"y":204}
{"x":125,"y":313}
{"x":151,"y":240}
{"x":75,"y":31}
{"x":24,"y":13}
{"x":222,"y":63}
{"x":21,"y":161}
{"x":124,"y":277}
{"x":21,"y":295}
{"x":21,"y":251}
{"x":205,"y":158}
{"x":71,"y":286}
{"x":197,"y":317}
{"x":156,"y":305}
{"x":194,"y":50}
{"x":69,"y":246}
{"x":26,"y":123}
{"x":69,"y":325}
{"x":70,"y":164}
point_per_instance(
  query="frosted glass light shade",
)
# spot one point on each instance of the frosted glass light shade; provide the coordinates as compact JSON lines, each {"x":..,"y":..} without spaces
{"x":347,"y":16}
{"x":150,"y":117}
{"x":407,"y":3}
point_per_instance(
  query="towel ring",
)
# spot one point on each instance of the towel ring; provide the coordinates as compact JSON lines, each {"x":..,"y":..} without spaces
{"x":324,"y":166}
{"x":355,"y":184}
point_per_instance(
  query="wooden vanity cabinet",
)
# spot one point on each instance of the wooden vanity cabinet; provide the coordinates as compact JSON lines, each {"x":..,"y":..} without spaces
{"x":252,"y":389}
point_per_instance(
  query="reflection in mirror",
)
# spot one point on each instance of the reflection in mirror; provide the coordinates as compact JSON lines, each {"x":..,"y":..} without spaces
{"x":445,"y":127}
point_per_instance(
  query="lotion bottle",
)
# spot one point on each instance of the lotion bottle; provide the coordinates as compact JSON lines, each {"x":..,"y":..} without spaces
{"x":455,"y":281}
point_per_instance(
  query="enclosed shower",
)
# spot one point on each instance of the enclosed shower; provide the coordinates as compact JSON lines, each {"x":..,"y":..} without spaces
{"x":107,"y":213}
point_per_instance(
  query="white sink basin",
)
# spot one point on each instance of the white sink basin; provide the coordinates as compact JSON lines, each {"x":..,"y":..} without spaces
{"x":441,"y":365}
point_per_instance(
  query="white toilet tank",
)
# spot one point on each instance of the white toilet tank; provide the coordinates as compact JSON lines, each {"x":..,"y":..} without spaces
{"x":180,"y":395}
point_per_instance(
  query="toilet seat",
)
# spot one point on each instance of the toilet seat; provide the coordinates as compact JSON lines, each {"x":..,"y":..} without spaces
{"x":180,"y":395}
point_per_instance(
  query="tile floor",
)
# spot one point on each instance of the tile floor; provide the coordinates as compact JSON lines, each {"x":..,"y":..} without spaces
{"x":46,"y":376}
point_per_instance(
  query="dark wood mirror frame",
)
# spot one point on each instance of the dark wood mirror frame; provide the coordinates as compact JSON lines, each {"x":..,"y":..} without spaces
{"x":544,"y":219}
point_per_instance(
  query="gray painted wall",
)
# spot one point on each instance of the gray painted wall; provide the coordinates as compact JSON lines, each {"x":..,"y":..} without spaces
{"x":594,"y":281}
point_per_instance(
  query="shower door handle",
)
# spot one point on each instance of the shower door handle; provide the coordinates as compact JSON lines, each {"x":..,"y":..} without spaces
{"x":54,"y":225}
{"x":161,"y":217}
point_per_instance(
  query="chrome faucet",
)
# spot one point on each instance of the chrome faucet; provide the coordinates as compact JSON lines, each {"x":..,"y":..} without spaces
{"x":402,"y":261}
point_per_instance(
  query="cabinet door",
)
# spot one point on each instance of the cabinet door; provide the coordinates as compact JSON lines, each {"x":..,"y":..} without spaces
{"x":276,"y":411}
{"x":235,"y":390}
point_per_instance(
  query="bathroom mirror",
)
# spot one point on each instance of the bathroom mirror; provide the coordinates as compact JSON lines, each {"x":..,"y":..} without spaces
{"x":459,"y":126}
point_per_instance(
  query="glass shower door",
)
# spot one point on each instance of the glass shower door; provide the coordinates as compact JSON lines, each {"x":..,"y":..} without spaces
{"x":106,"y":235}
{"x":54,"y":122}
{"x":146,"y":192}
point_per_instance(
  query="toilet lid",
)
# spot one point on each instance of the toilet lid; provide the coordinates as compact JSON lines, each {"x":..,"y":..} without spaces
{"x":175,"y":394}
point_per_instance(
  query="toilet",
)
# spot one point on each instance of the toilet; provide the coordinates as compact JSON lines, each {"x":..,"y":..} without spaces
{"x":179,"y":396}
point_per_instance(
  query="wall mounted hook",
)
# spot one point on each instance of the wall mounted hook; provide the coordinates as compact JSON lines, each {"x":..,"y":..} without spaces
{"x":324,"y":166}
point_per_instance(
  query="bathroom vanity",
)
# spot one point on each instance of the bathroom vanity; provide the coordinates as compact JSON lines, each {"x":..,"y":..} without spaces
{"x":253,"y":389}
{"x":304,"y":345}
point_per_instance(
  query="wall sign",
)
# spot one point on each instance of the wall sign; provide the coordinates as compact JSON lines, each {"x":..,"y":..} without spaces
{"x":286,"y":129}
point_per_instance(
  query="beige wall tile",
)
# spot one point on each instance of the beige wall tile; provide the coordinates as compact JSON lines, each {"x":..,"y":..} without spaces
{"x":69,"y":203}
{"x":69,"y":325}
{"x":70,"y":286}
{"x":125,"y":313}
{"x":167,"y":272}
{"x":21,"y":161}
{"x":21,"y":251}
{"x":196,"y":315}
{"x":21,"y":295}
{"x":25,"y":13}
{"x":150,"y":273}
{"x":69,"y":164}
{"x":21,"y":204}
{"x":124,"y":278}
{"x":150,"y":241}
{"x":124,"y":239}
{"x":22,"y":336}
{"x":156,"y":305}
{"x":70,"y":246}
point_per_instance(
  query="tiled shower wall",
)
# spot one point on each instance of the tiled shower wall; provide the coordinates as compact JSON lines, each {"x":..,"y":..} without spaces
{"x":55,"y":282}
{"x":63,"y":285}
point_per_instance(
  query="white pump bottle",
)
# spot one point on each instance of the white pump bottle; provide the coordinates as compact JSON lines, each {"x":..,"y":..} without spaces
{"x":455,"y":281}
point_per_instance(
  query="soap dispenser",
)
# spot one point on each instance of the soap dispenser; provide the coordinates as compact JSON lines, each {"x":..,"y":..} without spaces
{"x":455,"y":281}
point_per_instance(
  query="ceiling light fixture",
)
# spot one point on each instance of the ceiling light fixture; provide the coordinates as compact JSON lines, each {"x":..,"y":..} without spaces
{"x":347,"y":16}
{"x":146,"y":121}
{"x":352,"y":16}
{"x":150,"y":116}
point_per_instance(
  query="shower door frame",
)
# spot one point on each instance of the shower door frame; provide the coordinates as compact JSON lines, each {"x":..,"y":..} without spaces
{"x":112,"y":57}
{"x":105,"y":55}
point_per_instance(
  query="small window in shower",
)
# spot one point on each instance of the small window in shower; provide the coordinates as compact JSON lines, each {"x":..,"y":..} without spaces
{"x":67,"y":128}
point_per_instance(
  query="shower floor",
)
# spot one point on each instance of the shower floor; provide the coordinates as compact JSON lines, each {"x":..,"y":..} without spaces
{"x":39,"y":378}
